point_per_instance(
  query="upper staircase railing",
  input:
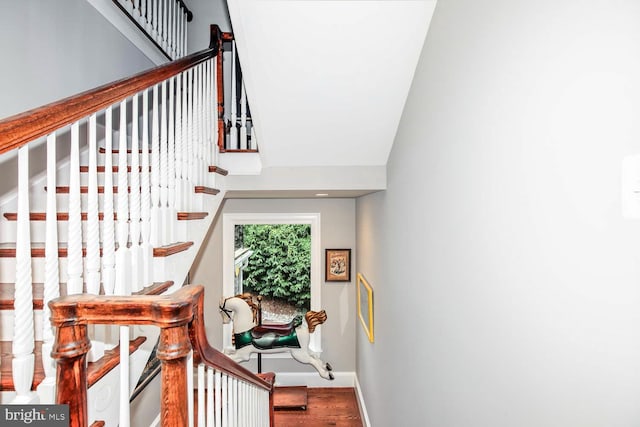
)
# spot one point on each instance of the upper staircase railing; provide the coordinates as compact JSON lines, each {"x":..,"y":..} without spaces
{"x":235,"y":125}
{"x":125,"y":209}
{"x":164,"y":22}
{"x":228,"y":394}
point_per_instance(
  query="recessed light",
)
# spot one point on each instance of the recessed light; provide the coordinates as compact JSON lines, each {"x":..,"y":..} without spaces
{"x":322,"y":194}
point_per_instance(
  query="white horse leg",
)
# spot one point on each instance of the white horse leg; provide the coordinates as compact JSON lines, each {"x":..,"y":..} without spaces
{"x":302,"y":356}
{"x":305,"y":355}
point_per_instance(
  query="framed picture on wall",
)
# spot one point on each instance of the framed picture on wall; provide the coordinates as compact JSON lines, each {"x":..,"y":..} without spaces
{"x":365,"y":305}
{"x":337,"y":265}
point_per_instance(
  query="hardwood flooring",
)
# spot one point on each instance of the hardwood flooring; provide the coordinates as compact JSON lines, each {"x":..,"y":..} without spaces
{"x":331,"y":406}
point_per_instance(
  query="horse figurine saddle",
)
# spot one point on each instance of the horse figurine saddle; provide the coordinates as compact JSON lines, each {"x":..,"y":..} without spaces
{"x":277,"y":329}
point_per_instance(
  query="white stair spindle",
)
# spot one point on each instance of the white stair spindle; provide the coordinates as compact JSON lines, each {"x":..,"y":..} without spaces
{"x":201,"y":395}
{"x":46,"y":389}
{"x":179,"y":142}
{"x":164,"y":164}
{"x":123,"y":266}
{"x":197,"y":123}
{"x":93,"y":222}
{"x":74,"y":248}
{"x":214,"y":111}
{"x":155,"y":22}
{"x":108,"y":222}
{"x":165,"y":26}
{"x":243,"y":117}
{"x":23,"y":336}
{"x":137,"y":279}
{"x":190,"y":140}
{"x":145,"y":199}
{"x":190,"y":398}
{"x":210,"y":391}
{"x":184,"y":34}
{"x":218,"y":398}
{"x":171,"y":167}
{"x":233,"y":135}
{"x":225,"y":400}
{"x":156,"y":231}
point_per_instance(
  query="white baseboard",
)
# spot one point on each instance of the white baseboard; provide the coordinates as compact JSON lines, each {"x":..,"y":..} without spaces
{"x":363,"y":407}
{"x":312,"y":379}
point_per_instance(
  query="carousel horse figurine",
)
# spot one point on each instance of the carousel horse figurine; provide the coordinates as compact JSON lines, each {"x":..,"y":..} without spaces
{"x":251,"y":337}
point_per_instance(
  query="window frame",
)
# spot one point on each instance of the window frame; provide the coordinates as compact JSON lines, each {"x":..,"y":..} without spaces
{"x":230,"y":220}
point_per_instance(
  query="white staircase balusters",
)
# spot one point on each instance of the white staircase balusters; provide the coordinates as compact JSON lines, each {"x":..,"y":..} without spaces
{"x":74,"y":241}
{"x":210,"y":413}
{"x":190,"y":138}
{"x":108,"y":222}
{"x":202,"y":407}
{"x":92,"y":274}
{"x":233,"y":134}
{"x":137,"y":278}
{"x":186,"y":187}
{"x":178,"y":183}
{"x":145,"y":199}
{"x":225,"y":400}
{"x":164,"y":165}
{"x":190,"y":397}
{"x":218,"y":398}
{"x":197,"y":123}
{"x":23,"y":335}
{"x":171,"y":167}
{"x":123,"y":260}
{"x":243,"y":117}
{"x":156,"y":231}
{"x":46,"y":389}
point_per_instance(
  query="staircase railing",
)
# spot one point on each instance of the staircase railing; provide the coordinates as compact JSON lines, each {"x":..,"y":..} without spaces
{"x":228,"y":394}
{"x":164,"y":22}
{"x":236,"y":132}
{"x":125,"y":206}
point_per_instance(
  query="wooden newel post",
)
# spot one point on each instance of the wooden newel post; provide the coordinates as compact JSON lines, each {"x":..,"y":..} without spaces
{"x":70,"y":353}
{"x":173,"y":350}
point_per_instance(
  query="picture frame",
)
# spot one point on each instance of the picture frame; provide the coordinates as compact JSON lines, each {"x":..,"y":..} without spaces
{"x":365,"y":305}
{"x":337,"y":265}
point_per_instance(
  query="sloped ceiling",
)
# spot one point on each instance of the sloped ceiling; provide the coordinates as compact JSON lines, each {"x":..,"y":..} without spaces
{"x":327,"y":80}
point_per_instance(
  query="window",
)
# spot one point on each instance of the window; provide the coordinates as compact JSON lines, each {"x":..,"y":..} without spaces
{"x":234,"y":258}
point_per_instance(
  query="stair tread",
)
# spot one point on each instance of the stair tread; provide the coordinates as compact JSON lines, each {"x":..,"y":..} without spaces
{"x":60,"y":216}
{"x":8,"y":249}
{"x":103,"y":150}
{"x":64,"y":216}
{"x":101,"y":169}
{"x":218,"y":170}
{"x":200,"y":189}
{"x":84,"y":189}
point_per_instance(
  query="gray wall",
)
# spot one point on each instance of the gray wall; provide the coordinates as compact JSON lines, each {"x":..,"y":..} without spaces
{"x":54,"y":49}
{"x":506,"y":281}
{"x":338,"y":299}
{"x":205,"y":13}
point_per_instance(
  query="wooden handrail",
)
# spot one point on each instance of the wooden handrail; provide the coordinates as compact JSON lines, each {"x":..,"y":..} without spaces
{"x":22,"y":128}
{"x":180,"y":319}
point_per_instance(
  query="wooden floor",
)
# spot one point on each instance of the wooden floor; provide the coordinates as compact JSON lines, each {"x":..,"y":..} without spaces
{"x":325,"y":407}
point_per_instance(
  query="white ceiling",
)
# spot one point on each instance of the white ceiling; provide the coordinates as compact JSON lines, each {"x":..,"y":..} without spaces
{"x":327,"y":79}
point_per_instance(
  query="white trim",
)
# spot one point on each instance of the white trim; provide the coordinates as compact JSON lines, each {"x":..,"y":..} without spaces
{"x":312,"y":379}
{"x":114,"y":15}
{"x":361,"y":404}
{"x":230,"y":220}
